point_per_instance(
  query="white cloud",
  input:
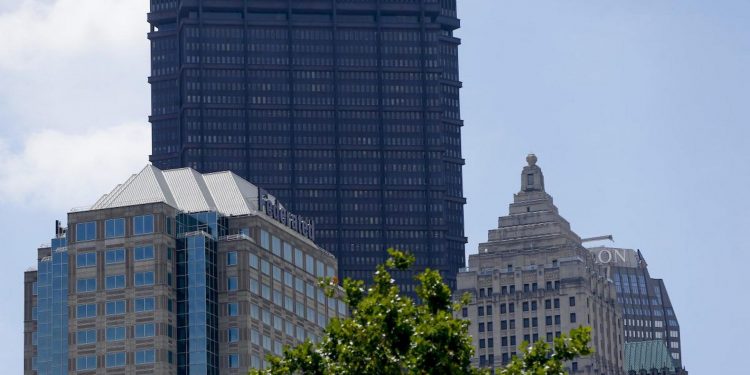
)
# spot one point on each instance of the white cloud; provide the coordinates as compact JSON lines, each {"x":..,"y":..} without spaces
{"x":58,"y":171}
{"x":34,"y":30}
{"x":72,"y":65}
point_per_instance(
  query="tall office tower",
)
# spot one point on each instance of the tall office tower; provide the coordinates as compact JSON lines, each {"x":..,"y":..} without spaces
{"x":533,"y":280}
{"x":175,"y":272}
{"x":647,"y":311}
{"x":347,"y":110}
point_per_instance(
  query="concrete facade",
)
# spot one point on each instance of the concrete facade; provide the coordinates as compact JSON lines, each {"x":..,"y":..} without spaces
{"x":533,"y":280}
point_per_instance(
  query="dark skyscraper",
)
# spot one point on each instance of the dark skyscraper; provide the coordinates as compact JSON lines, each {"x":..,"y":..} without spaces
{"x":347,"y":110}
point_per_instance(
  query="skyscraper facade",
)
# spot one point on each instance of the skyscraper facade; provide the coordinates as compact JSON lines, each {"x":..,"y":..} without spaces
{"x":175,"y":272}
{"x":648,"y":314}
{"x":347,"y":110}
{"x":533,"y":280}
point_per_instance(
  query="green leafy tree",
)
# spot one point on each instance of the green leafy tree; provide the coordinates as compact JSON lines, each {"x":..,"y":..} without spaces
{"x":389,"y":334}
{"x":539,"y":359}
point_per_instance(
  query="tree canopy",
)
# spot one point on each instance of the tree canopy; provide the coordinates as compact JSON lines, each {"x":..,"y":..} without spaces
{"x":387,"y":333}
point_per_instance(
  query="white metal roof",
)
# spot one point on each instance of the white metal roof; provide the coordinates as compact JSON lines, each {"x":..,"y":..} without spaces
{"x":186,"y":190}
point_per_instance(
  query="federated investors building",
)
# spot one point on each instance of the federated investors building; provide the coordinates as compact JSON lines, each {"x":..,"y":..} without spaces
{"x":175,"y":272}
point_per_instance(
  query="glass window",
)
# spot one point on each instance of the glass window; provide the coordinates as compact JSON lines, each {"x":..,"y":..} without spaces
{"x":86,"y":231}
{"x":254,"y":261}
{"x":276,"y":245}
{"x":143,"y":224}
{"x":145,"y":330}
{"x":115,"y":359}
{"x":86,"y":362}
{"x":265,"y":241}
{"x":234,"y":360}
{"x":115,"y":307}
{"x":309,"y":264}
{"x":265,"y":267}
{"x":145,"y":356}
{"x":86,"y":285}
{"x":144,"y":304}
{"x":114,"y":256}
{"x":143,"y":252}
{"x":232,"y":258}
{"x":232,"y":283}
{"x":86,"y":337}
{"x":319,"y":269}
{"x":254,"y":285}
{"x":276,"y":273}
{"x":298,"y":258}
{"x":86,"y":260}
{"x":114,"y":282}
{"x":115,"y":333}
{"x":233,"y":309}
{"x":330,"y":272}
{"x":144,"y":278}
{"x":233,"y":334}
{"x":114,"y":228}
{"x":287,"y":252}
{"x":86,"y":310}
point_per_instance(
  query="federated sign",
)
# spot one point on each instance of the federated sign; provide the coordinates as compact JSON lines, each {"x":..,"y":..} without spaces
{"x":271,"y":207}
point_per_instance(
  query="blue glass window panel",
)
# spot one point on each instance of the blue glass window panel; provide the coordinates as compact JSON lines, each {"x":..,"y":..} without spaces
{"x":86,"y":311}
{"x":86,"y":231}
{"x":143,"y":224}
{"x":309,"y":264}
{"x":232,"y":283}
{"x":115,"y":333}
{"x":86,"y":260}
{"x":115,"y":307}
{"x":232,"y":258}
{"x":298,"y":258}
{"x":144,"y":278}
{"x":287,"y":252}
{"x":114,"y":228}
{"x":115,"y":359}
{"x":114,"y":282}
{"x":145,"y":330}
{"x":144,"y":252}
{"x":233,"y":309}
{"x":233,"y":334}
{"x":86,"y":337}
{"x":114,"y":256}
{"x":145,"y":356}
{"x":265,"y":241}
{"x":144,"y":304}
{"x":265,"y":267}
{"x":319,"y":269}
{"x":87,"y":362}
{"x":234,"y":361}
{"x":254,"y":261}
{"x":276,"y":245}
{"x":86,"y":285}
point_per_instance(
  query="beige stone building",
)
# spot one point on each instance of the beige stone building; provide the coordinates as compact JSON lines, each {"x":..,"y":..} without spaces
{"x":176,"y":272}
{"x":533,"y":280}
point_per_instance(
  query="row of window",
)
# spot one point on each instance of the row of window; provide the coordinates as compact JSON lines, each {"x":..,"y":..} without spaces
{"x":114,"y":256}
{"x":113,"y":282}
{"x":114,"y":228}
{"x":116,"y":359}
{"x":115,"y":307}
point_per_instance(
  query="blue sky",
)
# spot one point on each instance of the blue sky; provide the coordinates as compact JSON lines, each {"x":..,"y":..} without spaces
{"x":637,"y":110}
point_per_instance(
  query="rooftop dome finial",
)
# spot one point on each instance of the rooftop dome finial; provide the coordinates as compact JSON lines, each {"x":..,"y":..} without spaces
{"x":531,"y":159}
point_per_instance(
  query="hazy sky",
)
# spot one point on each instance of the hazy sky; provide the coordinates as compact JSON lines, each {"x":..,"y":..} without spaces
{"x":637,"y":109}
